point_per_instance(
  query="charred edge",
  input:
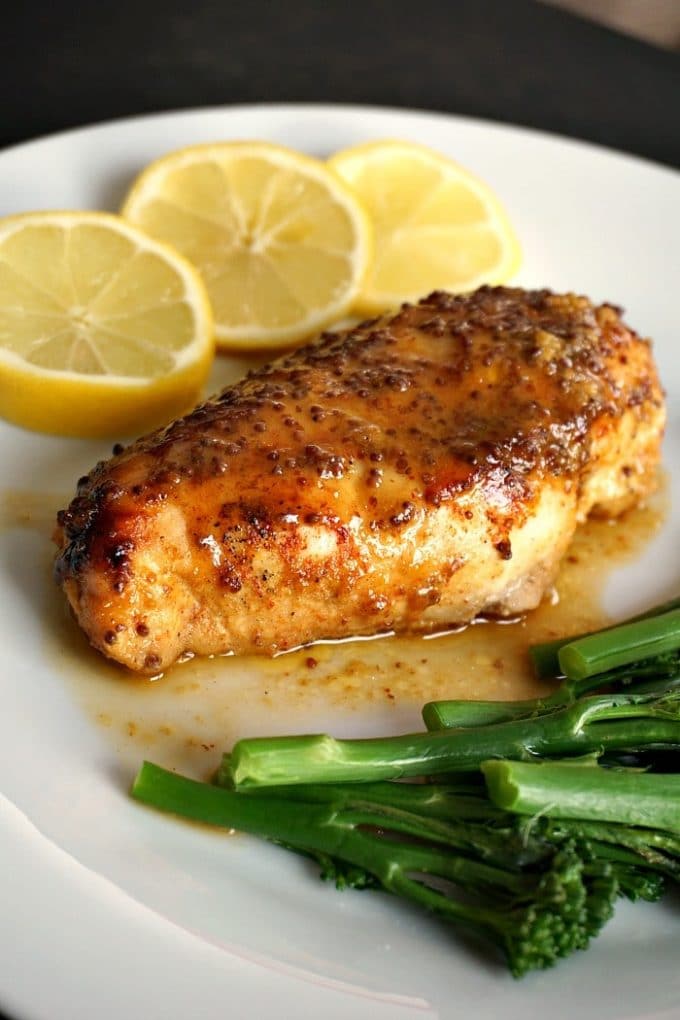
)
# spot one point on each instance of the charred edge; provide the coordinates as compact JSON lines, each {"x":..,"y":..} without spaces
{"x":81,"y":522}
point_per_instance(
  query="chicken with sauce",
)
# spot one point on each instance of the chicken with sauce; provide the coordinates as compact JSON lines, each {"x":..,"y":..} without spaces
{"x":406,"y":475}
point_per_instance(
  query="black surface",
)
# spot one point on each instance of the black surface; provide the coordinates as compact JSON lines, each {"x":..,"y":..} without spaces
{"x":68,"y":64}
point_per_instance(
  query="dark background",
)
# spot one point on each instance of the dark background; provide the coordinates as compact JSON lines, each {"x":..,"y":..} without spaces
{"x":68,"y":63}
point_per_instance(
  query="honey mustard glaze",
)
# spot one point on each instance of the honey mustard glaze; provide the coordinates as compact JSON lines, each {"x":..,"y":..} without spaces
{"x":375,"y":480}
{"x":188,"y":717}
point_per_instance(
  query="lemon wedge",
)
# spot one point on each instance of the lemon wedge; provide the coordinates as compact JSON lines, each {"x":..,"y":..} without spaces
{"x":102,"y":329}
{"x":436,"y":227}
{"x":280,"y":241}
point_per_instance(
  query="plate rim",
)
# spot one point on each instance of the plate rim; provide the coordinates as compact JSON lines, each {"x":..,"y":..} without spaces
{"x":282,"y":106}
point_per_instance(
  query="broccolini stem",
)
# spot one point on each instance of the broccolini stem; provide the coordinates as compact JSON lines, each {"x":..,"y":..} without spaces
{"x":444,"y":715}
{"x":462,"y":799}
{"x":621,"y":646}
{"x":574,"y":790}
{"x":321,"y":820}
{"x":663,"y":671}
{"x":534,"y":916}
{"x":545,"y":654}
{"x":611,"y":722}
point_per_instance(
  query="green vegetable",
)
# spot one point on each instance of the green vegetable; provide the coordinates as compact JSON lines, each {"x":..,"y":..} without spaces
{"x":586,"y":791}
{"x":655,"y":675}
{"x":649,"y":852}
{"x":535,"y":901}
{"x":545,"y":655}
{"x":525,"y":840}
{"x":603,"y":722}
{"x":444,"y":715}
{"x":631,"y":642}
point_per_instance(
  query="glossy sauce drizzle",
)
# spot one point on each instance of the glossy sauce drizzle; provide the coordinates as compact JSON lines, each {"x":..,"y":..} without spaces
{"x":186,"y":718}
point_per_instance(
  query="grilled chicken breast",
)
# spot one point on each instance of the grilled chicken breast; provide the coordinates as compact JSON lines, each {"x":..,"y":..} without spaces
{"x":409,"y":474}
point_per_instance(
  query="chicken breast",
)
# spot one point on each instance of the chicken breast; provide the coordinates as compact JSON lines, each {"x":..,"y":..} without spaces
{"x":407,"y":475}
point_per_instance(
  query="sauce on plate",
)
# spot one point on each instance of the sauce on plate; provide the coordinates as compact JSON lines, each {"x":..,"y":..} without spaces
{"x":188,"y":717}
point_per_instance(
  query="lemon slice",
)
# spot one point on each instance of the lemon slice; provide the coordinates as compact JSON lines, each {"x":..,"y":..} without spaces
{"x":102,"y":329}
{"x":280,"y":241}
{"x":436,"y":227}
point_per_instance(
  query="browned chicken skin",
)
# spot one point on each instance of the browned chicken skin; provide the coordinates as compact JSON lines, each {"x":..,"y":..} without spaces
{"x":406,"y":475}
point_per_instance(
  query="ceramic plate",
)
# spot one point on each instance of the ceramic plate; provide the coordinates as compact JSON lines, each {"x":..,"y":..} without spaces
{"x":109,"y":910}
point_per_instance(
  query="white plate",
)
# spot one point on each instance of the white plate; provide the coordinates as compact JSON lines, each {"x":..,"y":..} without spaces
{"x":108,"y":910}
